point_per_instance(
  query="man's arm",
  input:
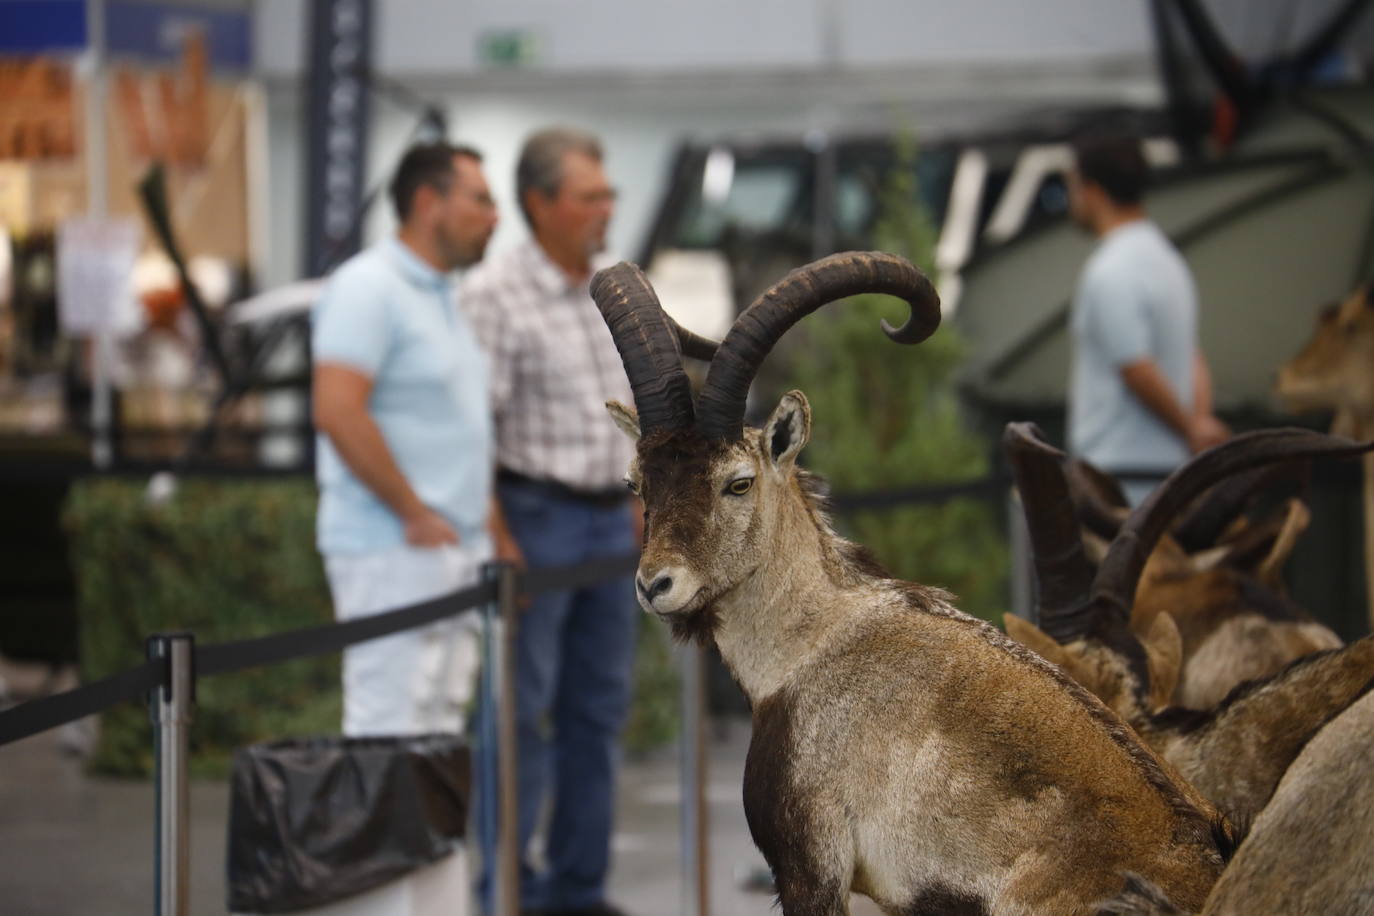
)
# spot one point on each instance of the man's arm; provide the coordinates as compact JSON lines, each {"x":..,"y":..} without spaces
{"x":340,"y":410}
{"x":1200,"y":429}
{"x":1207,"y":429}
{"x":1202,"y":384}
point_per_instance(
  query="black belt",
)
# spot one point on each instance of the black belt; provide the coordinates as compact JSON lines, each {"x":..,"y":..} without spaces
{"x":606,"y":499}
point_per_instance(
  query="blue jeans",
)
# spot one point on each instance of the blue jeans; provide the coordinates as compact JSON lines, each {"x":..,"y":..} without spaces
{"x":574,"y":655}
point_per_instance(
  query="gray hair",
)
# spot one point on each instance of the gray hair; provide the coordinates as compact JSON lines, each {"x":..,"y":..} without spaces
{"x":541,"y":161}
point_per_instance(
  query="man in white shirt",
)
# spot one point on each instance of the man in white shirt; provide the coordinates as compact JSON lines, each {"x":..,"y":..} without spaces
{"x":404,"y":446}
{"x":1140,"y":393}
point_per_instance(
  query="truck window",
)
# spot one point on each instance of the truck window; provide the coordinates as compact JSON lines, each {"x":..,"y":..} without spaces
{"x":762,"y":195}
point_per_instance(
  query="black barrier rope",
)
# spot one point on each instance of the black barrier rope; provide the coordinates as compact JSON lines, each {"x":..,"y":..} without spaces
{"x":555,"y":578}
{"x":223,"y":658}
{"x":35,"y":716}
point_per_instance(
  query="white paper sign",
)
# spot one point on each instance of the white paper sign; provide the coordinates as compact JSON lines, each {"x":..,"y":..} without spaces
{"x":95,"y":264}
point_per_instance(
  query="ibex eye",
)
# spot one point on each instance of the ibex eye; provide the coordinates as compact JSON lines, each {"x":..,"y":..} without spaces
{"x":631,"y":484}
{"x":740,"y":486}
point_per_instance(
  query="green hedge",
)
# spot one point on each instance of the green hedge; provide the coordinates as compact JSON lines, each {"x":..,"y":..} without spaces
{"x":223,"y":559}
{"x":234,"y":559}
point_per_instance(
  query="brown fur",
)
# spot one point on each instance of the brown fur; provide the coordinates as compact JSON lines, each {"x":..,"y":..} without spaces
{"x":1232,"y":626}
{"x":1227,"y":600}
{"x":1223,"y":628}
{"x":1312,"y":848}
{"x":901,"y":748}
{"x":1235,"y":751}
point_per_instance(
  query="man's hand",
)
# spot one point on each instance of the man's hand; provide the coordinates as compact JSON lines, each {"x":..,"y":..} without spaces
{"x":1205,"y":431}
{"x":508,"y":551}
{"x":426,"y":528}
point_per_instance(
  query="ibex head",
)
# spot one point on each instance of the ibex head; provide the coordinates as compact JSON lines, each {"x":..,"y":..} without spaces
{"x":718,"y":496}
{"x":1333,"y":369}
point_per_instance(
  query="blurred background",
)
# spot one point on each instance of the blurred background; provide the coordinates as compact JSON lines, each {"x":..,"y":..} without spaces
{"x":175,"y":177}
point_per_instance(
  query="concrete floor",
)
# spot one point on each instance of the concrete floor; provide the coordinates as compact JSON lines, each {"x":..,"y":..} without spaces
{"x":71,"y":845}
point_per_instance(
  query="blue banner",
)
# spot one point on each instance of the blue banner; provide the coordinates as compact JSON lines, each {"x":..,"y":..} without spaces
{"x":42,"y":26}
{"x":149,"y":31}
{"x":156,"y":32}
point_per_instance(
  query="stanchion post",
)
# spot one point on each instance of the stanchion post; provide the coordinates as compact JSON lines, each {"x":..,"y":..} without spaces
{"x":171,"y":712}
{"x":489,"y":763}
{"x":506,"y":874}
{"x":696,"y":898}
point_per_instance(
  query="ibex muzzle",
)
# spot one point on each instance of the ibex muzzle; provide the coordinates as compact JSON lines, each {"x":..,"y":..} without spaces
{"x":901,"y":749}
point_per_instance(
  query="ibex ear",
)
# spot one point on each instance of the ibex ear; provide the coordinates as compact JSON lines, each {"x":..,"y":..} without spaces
{"x":625,"y":418}
{"x":1164,"y":656}
{"x":788,"y":430}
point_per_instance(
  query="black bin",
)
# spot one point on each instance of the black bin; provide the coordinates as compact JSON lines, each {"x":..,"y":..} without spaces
{"x":315,"y":820}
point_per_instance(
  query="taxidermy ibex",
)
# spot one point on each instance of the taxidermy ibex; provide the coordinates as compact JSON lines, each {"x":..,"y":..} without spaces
{"x":1311,"y":850}
{"x":901,"y":749}
{"x":1217,"y":573}
{"x":1236,"y":751}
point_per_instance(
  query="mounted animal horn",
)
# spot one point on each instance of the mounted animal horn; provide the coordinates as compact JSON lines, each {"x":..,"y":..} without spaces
{"x":1120,"y":571}
{"x":797,"y":295}
{"x":1098,"y":498}
{"x":1062,"y":573}
{"x":1203,"y":523}
{"x":651,"y":346}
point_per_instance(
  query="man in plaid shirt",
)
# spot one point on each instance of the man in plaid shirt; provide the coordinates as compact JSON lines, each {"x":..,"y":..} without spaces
{"x":561,"y":464}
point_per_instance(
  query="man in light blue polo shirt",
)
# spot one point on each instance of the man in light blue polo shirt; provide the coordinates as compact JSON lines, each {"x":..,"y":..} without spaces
{"x":405,"y":446}
{"x":1140,"y":394}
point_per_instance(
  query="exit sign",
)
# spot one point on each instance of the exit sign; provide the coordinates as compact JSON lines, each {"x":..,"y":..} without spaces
{"x":508,"y":48}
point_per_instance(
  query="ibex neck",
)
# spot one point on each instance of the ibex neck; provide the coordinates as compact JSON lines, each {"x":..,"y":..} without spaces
{"x":790,"y":609}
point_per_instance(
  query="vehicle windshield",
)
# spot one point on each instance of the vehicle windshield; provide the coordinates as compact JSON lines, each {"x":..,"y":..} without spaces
{"x":728,"y":193}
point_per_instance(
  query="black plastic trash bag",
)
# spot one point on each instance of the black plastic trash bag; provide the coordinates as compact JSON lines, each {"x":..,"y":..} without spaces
{"x":315,"y":820}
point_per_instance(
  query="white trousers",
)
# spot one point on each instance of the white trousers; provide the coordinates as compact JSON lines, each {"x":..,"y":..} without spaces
{"x":414,"y":681}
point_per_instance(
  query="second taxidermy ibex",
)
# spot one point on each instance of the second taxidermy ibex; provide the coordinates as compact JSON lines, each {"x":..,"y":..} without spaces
{"x":901,"y":748}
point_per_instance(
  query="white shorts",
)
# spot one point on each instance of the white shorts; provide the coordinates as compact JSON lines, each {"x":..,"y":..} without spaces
{"x":414,"y":681}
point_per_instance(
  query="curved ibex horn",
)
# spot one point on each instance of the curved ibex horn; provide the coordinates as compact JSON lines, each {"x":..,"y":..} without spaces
{"x":795,"y":296}
{"x":650,"y":345}
{"x":1120,"y":571}
{"x":1202,"y":524}
{"x":1062,"y":573}
{"x":1097,"y":496}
